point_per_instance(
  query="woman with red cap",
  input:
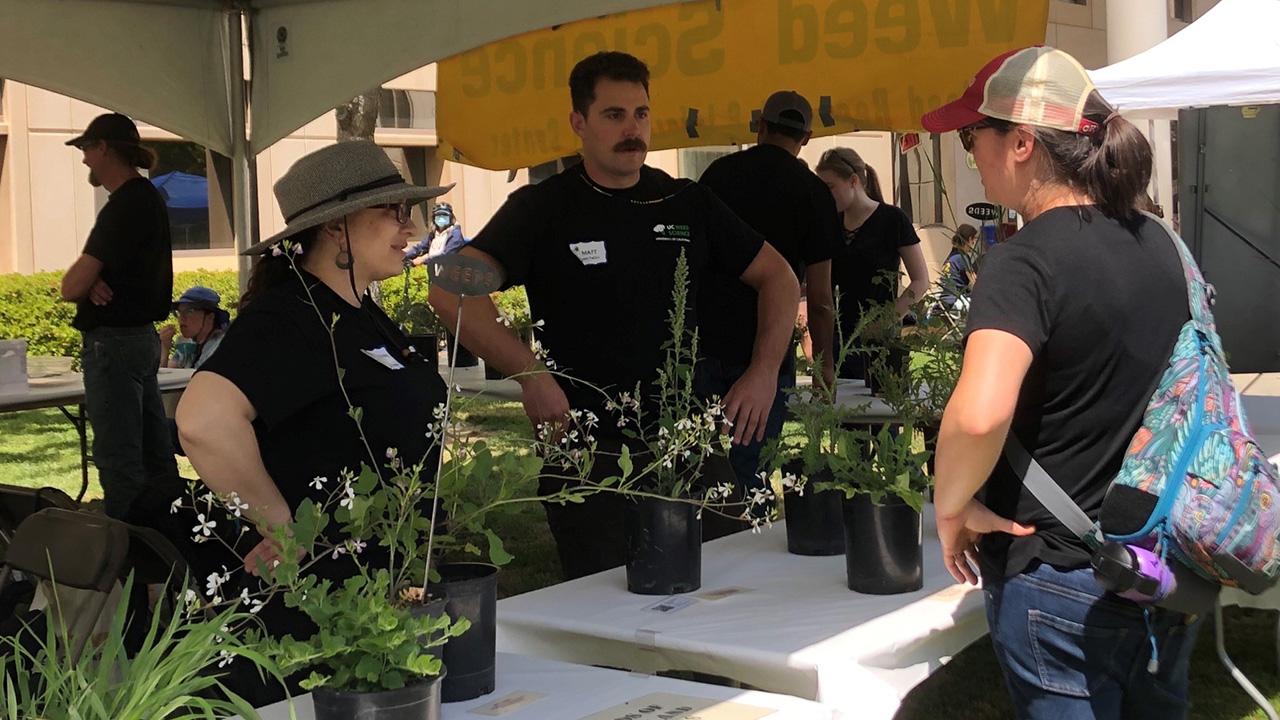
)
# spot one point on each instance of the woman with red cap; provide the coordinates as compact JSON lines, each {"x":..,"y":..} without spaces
{"x":1070,"y":328}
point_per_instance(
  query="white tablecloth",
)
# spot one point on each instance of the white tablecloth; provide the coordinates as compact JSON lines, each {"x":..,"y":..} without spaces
{"x":575,"y":691}
{"x":797,"y":629}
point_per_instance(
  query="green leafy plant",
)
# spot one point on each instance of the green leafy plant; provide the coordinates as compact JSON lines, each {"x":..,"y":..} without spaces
{"x":877,"y":463}
{"x":175,"y":674}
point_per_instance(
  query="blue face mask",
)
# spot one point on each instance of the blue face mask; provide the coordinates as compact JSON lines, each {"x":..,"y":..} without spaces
{"x":441,"y":221}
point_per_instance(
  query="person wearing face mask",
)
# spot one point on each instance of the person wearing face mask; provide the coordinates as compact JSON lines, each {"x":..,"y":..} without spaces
{"x":596,"y":247}
{"x":446,"y":237}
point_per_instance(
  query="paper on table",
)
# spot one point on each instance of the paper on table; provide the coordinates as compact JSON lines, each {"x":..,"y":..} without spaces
{"x":665,"y":706}
{"x":507,"y":703}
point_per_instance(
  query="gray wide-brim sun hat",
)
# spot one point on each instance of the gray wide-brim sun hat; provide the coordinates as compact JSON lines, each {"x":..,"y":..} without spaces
{"x":335,"y":181}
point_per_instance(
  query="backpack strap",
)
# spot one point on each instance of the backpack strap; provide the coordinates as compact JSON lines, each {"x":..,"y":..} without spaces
{"x":1199,"y":293}
{"x":1049,"y":493}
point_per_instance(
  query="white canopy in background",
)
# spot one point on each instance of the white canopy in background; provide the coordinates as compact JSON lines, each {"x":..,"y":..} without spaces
{"x":1230,"y":56}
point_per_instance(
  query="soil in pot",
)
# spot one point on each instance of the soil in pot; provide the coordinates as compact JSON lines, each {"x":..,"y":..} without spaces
{"x":883,"y":546}
{"x":664,"y":547}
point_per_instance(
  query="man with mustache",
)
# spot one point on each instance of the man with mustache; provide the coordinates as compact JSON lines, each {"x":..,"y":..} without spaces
{"x":596,"y":247}
{"x":122,"y":284}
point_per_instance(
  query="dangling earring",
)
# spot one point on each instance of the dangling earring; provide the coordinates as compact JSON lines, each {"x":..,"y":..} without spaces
{"x":343,"y":261}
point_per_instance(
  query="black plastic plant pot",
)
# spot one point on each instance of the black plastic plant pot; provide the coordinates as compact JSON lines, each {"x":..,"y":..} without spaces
{"x":883,"y":546}
{"x":464,"y":358}
{"x":815,"y":524}
{"x":664,"y":547}
{"x":470,"y":591}
{"x":428,"y":346}
{"x":417,"y":701}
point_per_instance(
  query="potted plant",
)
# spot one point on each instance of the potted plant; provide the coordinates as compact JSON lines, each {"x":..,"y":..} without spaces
{"x":176,"y":672}
{"x":801,"y":455}
{"x":664,"y":476}
{"x":880,"y":473}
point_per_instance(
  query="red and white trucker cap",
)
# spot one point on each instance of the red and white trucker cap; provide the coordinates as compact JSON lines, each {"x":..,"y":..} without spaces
{"x":1040,"y":86}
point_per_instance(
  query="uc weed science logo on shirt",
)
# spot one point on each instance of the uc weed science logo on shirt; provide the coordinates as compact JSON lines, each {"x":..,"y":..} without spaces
{"x":671,"y":233}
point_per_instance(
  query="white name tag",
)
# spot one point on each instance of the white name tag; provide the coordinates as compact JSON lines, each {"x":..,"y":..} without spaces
{"x":381,"y":355}
{"x":590,"y":253}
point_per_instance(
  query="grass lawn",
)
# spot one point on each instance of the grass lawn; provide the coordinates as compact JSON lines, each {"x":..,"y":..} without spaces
{"x":40,"y":447}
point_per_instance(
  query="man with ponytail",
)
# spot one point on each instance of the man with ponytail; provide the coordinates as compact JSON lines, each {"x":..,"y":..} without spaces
{"x":1070,"y":328}
{"x":122,"y":284}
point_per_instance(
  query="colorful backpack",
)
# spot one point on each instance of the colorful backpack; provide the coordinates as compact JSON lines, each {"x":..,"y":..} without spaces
{"x":1217,"y":497}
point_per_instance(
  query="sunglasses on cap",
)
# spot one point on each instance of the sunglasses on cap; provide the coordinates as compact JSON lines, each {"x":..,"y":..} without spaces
{"x":403,"y":210}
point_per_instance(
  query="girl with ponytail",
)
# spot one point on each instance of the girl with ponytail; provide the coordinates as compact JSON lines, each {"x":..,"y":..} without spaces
{"x":878,"y":237}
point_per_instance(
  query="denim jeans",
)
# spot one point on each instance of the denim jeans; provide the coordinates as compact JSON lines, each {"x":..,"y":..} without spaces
{"x":1070,"y":651}
{"x":131,"y":447}
{"x":715,"y":378}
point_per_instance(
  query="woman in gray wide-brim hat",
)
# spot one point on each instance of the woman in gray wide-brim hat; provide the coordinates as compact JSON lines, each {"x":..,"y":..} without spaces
{"x":266,"y":417}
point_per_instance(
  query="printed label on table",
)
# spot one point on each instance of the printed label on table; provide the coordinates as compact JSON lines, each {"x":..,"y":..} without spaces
{"x":721,"y":593}
{"x":665,"y":706}
{"x":671,"y":604}
{"x":507,"y":704}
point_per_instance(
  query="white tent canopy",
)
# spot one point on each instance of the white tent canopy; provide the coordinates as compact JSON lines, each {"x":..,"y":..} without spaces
{"x":1230,"y":56}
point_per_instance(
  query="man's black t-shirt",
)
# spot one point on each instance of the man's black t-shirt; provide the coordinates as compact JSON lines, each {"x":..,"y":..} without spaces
{"x":867,"y":254}
{"x":278,"y":354}
{"x":775,"y":193}
{"x":1100,"y":307}
{"x":131,"y":238}
{"x":598,"y":264}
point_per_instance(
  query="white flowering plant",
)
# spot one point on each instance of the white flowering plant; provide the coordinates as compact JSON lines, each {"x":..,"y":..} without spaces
{"x":674,"y":431}
{"x":384,"y":525}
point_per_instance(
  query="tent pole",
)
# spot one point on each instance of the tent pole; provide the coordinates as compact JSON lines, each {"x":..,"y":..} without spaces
{"x":241,"y":180}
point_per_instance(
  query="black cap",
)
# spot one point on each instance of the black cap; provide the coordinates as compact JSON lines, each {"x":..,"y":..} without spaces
{"x":789,"y":109}
{"x":111,"y":127}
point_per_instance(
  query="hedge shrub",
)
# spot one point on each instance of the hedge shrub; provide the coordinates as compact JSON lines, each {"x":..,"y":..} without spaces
{"x":30,"y":307}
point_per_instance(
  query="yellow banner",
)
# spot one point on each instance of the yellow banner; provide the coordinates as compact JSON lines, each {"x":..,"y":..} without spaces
{"x":863,"y":64}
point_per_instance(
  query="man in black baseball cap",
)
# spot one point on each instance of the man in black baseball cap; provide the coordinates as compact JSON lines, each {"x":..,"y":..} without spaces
{"x":122,"y":284}
{"x":770,"y":188}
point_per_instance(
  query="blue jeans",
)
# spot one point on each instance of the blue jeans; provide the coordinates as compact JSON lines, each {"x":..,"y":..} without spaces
{"x":715,"y":378}
{"x":1070,"y":651}
{"x":131,"y":445}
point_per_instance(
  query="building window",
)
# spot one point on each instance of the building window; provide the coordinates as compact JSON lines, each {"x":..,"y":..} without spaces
{"x":1183,"y":10}
{"x":181,"y":175}
{"x":694,"y":161}
{"x":407,"y":109}
{"x":1077,"y":2}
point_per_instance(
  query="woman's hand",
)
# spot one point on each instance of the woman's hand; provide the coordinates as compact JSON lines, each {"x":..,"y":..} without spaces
{"x":959,"y":535}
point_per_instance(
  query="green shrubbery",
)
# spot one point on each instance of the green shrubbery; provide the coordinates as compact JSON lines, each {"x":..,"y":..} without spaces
{"x":30,"y":307}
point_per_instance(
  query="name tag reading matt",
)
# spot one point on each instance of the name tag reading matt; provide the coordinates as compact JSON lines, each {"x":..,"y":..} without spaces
{"x":382,"y":356}
{"x":590,"y":253}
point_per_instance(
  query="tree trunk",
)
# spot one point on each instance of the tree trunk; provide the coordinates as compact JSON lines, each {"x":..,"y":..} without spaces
{"x":358,"y":117}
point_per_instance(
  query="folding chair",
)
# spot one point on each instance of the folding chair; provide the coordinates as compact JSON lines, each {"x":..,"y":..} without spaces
{"x":19,"y":503}
{"x":69,"y":549}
